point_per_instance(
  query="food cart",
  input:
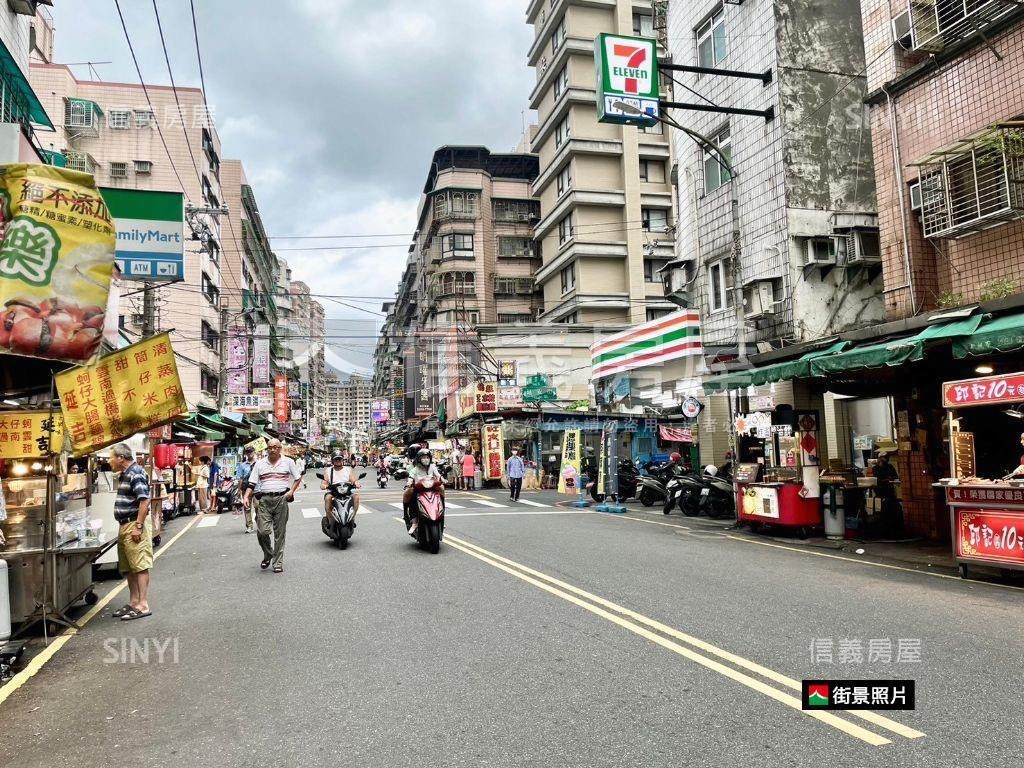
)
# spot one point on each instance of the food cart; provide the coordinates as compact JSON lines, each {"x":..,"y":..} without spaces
{"x":986,"y":515}
{"x":777,"y":474}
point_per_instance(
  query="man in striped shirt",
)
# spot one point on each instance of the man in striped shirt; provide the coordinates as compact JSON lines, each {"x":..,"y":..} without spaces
{"x":274,"y":481}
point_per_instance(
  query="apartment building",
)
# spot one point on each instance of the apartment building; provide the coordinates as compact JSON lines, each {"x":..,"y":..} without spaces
{"x":946,"y":102}
{"x":606,"y":224}
{"x":348,"y":403}
{"x":783,"y":248}
{"x":109,"y":129}
{"x":305,"y":340}
{"x":20,"y":110}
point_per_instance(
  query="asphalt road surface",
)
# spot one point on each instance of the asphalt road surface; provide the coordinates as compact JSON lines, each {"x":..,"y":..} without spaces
{"x":541,"y":635}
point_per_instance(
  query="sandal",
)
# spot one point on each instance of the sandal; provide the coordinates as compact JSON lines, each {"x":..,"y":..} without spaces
{"x":264,"y":564}
{"x":122,"y":610}
{"x":278,"y":569}
{"x":135,"y":613}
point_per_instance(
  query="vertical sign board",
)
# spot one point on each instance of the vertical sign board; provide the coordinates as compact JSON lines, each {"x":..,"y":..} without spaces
{"x":568,"y":477}
{"x":627,"y":73}
{"x":281,"y":399}
{"x":238,"y":369}
{"x":494,"y":452}
{"x":150,"y":238}
{"x":261,"y":355}
{"x":423,"y":374}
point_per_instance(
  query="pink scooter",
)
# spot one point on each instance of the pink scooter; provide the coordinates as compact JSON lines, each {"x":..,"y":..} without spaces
{"x":429,"y":510}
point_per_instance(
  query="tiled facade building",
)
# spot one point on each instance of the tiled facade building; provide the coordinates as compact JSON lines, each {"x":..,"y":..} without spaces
{"x":946,"y":101}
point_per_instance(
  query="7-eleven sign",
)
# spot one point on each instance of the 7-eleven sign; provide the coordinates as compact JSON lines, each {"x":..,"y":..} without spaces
{"x":627,"y":79}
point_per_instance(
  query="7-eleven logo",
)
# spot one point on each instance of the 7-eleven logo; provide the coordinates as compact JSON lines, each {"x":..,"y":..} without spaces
{"x":631,"y":67}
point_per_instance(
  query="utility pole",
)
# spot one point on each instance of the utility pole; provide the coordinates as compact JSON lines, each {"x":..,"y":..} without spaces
{"x":148,"y":312}
{"x":222,"y":381}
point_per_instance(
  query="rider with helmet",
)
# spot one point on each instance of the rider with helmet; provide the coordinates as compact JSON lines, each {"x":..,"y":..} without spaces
{"x":340,"y":472}
{"x":422,"y":468}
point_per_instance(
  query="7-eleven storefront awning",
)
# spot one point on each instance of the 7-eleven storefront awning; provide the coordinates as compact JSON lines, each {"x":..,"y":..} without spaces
{"x":667,"y":338}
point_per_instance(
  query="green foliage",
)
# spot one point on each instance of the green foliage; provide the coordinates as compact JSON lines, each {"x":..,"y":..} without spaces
{"x":948,"y":300}
{"x":998,"y":289}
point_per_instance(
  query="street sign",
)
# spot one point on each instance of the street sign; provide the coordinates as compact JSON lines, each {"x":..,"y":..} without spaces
{"x":627,"y":73}
{"x":150,"y":233}
{"x":538,"y":389}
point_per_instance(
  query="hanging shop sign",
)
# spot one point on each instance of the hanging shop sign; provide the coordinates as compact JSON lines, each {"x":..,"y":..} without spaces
{"x":132,"y":390}
{"x":56,"y":262}
{"x":568,"y":477}
{"x":261,"y":355}
{"x":1007,"y":388}
{"x":160,"y":433}
{"x":481,"y":397}
{"x":494,"y":452}
{"x":150,"y":233}
{"x":627,"y":74}
{"x":762,"y":402}
{"x":691,"y":407}
{"x":380,"y":411}
{"x":259,"y":444}
{"x":238,"y":368}
{"x":510,"y":398}
{"x":508,"y":373}
{"x":244,"y":403}
{"x":265,"y":398}
{"x":281,"y":399}
{"x":675,"y":434}
{"x":23,"y":434}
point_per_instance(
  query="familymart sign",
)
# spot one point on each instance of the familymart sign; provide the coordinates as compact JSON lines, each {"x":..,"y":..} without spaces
{"x":627,"y":79}
{"x":150,"y":233}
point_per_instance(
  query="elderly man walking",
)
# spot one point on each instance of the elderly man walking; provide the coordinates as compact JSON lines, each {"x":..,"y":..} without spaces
{"x":277,"y":479}
{"x":135,"y":535}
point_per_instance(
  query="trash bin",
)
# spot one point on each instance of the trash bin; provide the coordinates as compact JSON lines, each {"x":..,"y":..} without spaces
{"x":835,"y":512}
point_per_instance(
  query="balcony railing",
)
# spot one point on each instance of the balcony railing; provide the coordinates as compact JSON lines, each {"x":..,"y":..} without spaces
{"x":974,"y":185}
{"x":935,"y":24}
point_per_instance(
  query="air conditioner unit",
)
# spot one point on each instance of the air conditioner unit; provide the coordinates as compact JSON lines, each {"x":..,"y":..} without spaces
{"x":859,"y":247}
{"x":759,"y":300}
{"x":525,"y":217}
{"x":916,"y":201}
{"x":903,"y":31}
{"x":818,"y":251}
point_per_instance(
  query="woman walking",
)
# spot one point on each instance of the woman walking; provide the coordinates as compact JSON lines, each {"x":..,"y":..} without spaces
{"x":469,"y":471}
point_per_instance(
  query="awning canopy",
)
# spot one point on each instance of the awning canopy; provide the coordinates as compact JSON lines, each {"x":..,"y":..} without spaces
{"x":86,"y":104}
{"x":15,"y":79}
{"x":1000,"y":334}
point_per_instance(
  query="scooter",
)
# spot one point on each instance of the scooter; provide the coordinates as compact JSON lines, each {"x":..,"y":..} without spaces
{"x":382,"y":478}
{"x":428,"y":506}
{"x":652,"y":485}
{"x":340,"y":524}
{"x":683,"y":491}
{"x":717,"y":497}
{"x":629,"y":479}
{"x":227,"y":496}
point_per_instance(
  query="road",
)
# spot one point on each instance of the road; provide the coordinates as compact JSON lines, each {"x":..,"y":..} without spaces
{"x":540,"y":635}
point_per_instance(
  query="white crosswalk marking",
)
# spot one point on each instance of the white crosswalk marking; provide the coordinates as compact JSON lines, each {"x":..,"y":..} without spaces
{"x":365,"y":510}
{"x":452,"y":505}
{"x":396,"y":504}
{"x":533,"y":504}
{"x":208,"y":521}
{"x":310,"y":513}
{"x":491,"y":504}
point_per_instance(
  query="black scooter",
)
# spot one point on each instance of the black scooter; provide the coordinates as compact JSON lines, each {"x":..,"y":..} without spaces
{"x":629,"y":479}
{"x":683,"y":491}
{"x":717,"y":497}
{"x":341,"y":523}
{"x":228,"y":498}
{"x":382,"y":478}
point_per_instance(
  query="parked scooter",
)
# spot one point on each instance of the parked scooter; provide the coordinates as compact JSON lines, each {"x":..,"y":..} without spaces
{"x":228,"y":498}
{"x":341,"y":523}
{"x":653,"y":484}
{"x":428,"y":506}
{"x":683,"y":491}
{"x":717,"y":497}
{"x":382,"y":478}
{"x":629,"y":479}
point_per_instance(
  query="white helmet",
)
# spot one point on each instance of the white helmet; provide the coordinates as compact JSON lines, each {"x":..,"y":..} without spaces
{"x":711,"y":470}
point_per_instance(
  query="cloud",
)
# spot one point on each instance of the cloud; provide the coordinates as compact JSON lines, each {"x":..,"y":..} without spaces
{"x":334,"y":108}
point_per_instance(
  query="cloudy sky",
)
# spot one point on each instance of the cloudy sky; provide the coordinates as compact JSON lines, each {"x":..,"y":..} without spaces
{"x":334,"y":107}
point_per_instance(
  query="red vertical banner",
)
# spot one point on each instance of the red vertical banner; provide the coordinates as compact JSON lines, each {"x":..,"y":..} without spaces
{"x":494,"y":452}
{"x":281,"y":399}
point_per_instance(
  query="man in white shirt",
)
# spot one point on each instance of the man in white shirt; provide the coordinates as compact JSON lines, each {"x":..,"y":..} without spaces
{"x":340,"y":472}
{"x":276,"y":479}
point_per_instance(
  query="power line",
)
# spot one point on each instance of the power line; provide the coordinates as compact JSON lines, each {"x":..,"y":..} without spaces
{"x":174,"y":90}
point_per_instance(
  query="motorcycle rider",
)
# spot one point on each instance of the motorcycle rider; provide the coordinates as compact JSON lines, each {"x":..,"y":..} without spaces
{"x":421,"y":469}
{"x":340,"y":472}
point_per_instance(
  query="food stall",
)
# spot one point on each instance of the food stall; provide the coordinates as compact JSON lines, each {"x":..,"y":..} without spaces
{"x":776,"y":476}
{"x":986,"y":512}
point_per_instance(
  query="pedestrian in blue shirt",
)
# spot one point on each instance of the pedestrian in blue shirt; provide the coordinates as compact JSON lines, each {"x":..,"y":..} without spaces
{"x":516,"y":470}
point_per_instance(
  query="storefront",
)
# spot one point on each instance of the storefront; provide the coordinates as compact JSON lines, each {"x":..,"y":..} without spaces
{"x":985,"y":487}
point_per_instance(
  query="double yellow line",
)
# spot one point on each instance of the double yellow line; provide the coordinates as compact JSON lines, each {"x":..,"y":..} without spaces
{"x":684,"y":645}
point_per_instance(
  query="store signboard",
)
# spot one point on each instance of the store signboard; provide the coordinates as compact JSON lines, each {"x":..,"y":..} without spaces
{"x":238,"y":362}
{"x":261,"y":355}
{"x":990,"y":390}
{"x":132,"y":390}
{"x":627,"y":74}
{"x":494,"y":452}
{"x":510,"y":398}
{"x":281,"y":399}
{"x":265,"y":397}
{"x":990,"y":535}
{"x":23,"y":434}
{"x":568,"y":477}
{"x":508,"y":373}
{"x":380,"y":411}
{"x":244,"y":403}
{"x":150,"y":233}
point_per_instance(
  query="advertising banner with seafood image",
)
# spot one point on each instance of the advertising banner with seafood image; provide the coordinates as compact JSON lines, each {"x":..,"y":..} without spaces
{"x":132,"y":390}
{"x":56,"y":259}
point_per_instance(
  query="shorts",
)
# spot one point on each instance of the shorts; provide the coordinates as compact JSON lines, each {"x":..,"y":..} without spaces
{"x":134,"y":557}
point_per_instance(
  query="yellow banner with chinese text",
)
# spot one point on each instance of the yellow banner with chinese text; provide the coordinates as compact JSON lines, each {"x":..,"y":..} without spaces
{"x":132,"y":390}
{"x":23,"y":434}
